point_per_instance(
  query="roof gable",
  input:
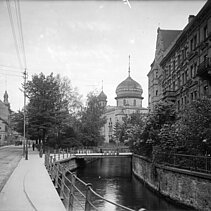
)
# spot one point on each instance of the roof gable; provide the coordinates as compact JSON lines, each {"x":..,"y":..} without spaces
{"x":168,"y":36}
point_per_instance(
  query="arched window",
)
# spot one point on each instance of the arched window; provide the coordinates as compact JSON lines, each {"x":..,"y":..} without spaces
{"x":110,"y":126}
{"x":124,"y":102}
{"x":134,"y":102}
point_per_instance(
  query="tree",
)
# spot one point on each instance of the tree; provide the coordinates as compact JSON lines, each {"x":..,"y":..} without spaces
{"x":91,"y":122}
{"x":118,"y":132}
{"x":43,"y":106}
{"x":146,"y":131}
{"x":17,"y":122}
{"x":133,"y":127}
{"x":51,"y":107}
{"x":69,"y":94}
{"x":194,"y":127}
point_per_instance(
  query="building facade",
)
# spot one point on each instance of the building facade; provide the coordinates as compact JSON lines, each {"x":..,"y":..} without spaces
{"x":4,"y":119}
{"x":128,"y":100}
{"x":185,"y":66}
{"x":165,"y":39}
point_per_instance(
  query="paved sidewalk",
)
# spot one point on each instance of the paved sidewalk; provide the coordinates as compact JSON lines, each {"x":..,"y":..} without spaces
{"x":30,"y":188}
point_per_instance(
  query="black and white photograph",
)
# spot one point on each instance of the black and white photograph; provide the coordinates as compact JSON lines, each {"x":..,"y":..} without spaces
{"x":105,"y":105}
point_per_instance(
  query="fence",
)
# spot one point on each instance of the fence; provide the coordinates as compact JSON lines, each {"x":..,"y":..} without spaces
{"x":190,"y":162}
{"x":59,"y":154}
{"x":74,"y":192}
{"x":89,"y":149}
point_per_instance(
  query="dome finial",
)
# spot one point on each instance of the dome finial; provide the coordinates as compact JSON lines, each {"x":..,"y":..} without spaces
{"x":102,"y":85}
{"x":129,"y":67}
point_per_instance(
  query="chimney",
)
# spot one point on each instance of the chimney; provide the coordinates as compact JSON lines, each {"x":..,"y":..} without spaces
{"x":190,"y":18}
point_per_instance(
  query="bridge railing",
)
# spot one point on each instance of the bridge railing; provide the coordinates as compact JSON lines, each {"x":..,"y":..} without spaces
{"x":75,"y":193}
{"x":59,"y":154}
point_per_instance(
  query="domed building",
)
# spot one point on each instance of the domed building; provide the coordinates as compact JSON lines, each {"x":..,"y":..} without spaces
{"x":128,"y":100}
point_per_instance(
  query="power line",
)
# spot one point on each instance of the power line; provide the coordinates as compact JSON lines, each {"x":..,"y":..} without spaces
{"x":22,"y":48}
{"x":10,"y":67}
{"x":20,"y":29}
{"x":6,"y":74}
{"x":7,"y":70}
{"x":14,"y":34}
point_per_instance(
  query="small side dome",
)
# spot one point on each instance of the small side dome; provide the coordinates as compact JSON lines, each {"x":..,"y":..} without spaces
{"x":129,"y":88}
{"x":102,"y":96}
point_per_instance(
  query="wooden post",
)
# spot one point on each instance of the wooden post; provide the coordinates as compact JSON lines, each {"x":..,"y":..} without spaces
{"x":68,"y":205}
{"x":72,"y":191}
{"x":59,"y":155}
{"x":57,"y":176}
{"x":55,"y":154}
{"x":50,"y":164}
{"x":88,"y":197}
{"x":47,"y":160}
{"x":53,"y":169}
{"x":62,"y":183}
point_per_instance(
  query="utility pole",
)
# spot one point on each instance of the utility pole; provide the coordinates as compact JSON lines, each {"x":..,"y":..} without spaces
{"x":24,"y":118}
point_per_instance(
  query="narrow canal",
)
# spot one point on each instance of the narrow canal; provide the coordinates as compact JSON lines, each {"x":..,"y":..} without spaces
{"x":112,"y":179}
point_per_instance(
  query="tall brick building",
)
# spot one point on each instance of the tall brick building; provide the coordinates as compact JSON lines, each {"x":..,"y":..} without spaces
{"x":164,"y":40}
{"x":184,"y":68}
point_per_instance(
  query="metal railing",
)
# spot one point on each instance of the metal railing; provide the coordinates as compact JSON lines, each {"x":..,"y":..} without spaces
{"x":67,"y":153}
{"x":75,"y":193}
{"x":183,"y":161}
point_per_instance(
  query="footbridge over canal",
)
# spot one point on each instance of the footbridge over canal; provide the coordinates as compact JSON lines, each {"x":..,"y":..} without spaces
{"x":75,"y":193}
{"x":91,"y":153}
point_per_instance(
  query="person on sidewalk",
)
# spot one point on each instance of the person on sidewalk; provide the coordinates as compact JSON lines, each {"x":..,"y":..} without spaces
{"x":33,"y":146}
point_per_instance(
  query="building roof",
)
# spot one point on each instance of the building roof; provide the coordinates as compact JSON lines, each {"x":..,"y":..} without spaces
{"x":102,"y":96}
{"x":168,"y":36}
{"x":129,"y":88}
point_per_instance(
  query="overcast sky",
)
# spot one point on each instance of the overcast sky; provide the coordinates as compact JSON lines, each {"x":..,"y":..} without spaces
{"x":88,"y":41}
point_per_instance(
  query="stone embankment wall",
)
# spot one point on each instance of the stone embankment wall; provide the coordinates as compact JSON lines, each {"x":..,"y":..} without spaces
{"x":69,"y":163}
{"x":73,"y":163}
{"x":183,"y":186}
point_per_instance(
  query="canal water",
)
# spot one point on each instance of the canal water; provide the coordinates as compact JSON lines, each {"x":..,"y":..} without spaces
{"x":112,"y":179}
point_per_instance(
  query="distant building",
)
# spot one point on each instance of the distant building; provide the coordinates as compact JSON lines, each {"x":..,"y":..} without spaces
{"x":4,"y":119}
{"x":184,"y":69}
{"x":128,"y":100}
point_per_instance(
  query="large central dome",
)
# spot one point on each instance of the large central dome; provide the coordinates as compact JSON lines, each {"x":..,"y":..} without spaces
{"x":129,"y":88}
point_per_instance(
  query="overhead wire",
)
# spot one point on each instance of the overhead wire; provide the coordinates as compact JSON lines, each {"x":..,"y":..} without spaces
{"x":18,"y":43}
{"x":14,"y":33}
{"x":6,"y":74}
{"x":20,"y":30}
{"x":10,"y":67}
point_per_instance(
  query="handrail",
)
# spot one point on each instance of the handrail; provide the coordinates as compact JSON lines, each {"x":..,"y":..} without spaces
{"x":118,"y":205}
{"x":196,"y":163}
{"x":72,"y":189}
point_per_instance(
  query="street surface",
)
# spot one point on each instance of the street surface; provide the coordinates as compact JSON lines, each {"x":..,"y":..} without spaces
{"x":9,"y":159}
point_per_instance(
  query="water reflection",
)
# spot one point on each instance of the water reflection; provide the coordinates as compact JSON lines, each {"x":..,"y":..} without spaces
{"x":111,"y":178}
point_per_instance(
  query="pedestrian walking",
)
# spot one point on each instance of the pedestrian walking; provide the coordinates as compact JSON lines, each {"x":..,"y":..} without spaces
{"x":33,"y":146}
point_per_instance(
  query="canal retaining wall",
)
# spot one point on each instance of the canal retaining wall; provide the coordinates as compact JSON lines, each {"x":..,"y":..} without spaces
{"x":187,"y":187}
{"x":73,"y":162}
